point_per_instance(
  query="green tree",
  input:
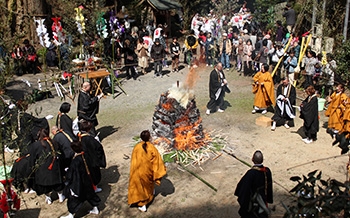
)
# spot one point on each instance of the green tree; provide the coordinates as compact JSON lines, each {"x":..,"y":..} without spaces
{"x":190,"y":8}
{"x":264,"y":13}
{"x":342,"y":57}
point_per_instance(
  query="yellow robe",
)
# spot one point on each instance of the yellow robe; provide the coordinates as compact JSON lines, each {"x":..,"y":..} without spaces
{"x":335,"y":111}
{"x":264,"y":94}
{"x":146,"y":169}
{"x":346,"y":117}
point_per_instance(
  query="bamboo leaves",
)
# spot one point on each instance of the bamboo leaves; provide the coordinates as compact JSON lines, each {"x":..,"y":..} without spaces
{"x":318,"y":197}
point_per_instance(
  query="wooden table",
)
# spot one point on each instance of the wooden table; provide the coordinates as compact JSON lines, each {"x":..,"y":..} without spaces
{"x":96,"y":78}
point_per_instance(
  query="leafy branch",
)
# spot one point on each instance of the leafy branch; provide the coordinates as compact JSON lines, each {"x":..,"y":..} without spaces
{"x":318,"y":197}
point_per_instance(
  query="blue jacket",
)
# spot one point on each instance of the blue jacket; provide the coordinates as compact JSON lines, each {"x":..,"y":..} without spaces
{"x":291,"y":65}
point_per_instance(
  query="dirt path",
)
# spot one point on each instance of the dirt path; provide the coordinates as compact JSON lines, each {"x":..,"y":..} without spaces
{"x":182,"y":195}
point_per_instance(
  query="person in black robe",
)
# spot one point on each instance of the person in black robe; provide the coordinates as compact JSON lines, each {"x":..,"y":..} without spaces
{"x":94,"y":153}
{"x":309,"y":113}
{"x":20,"y":173}
{"x":217,"y":88}
{"x":63,"y":121}
{"x":256,"y":180}
{"x":284,"y":110}
{"x":130,"y":59}
{"x":63,"y":140}
{"x":79,"y":186}
{"x":88,"y":106}
{"x":27,"y":127}
{"x":44,"y":162}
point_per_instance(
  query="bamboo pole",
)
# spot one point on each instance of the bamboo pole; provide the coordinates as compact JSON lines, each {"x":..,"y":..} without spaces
{"x":242,"y":161}
{"x":247,"y":164}
{"x":198,"y":177}
{"x":317,"y":160}
{"x":280,"y":60}
{"x":302,"y":53}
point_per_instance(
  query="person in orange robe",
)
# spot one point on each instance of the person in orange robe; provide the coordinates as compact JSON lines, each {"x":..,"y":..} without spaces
{"x":147,"y":168}
{"x":346,"y":116}
{"x":343,"y":138}
{"x":335,"y":110}
{"x":263,"y":88}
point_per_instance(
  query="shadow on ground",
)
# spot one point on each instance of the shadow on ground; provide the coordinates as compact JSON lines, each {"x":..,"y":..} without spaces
{"x":105,"y":131}
{"x":28,"y":213}
{"x":110,"y":176}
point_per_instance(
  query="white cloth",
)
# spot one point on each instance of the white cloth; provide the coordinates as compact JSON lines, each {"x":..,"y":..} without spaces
{"x":218,"y":92}
{"x":285,"y":106}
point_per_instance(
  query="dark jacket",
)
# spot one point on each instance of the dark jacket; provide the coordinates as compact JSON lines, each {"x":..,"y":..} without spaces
{"x":290,"y":17}
{"x":157,"y":52}
{"x":130,"y":55}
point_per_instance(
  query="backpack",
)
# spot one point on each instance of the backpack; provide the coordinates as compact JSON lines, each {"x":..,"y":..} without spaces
{"x":257,"y":205}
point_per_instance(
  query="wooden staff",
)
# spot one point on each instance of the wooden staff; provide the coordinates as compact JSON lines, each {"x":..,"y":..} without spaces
{"x":198,"y":177}
{"x":317,"y":160}
{"x":280,"y":60}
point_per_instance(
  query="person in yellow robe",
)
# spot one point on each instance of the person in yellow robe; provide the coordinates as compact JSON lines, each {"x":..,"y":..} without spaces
{"x":147,"y":168}
{"x":335,"y":111}
{"x":346,"y":117}
{"x":263,"y":88}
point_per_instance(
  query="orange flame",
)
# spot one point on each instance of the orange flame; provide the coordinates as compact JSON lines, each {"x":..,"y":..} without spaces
{"x":161,"y":140}
{"x":188,"y":136}
{"x":167,"y":106}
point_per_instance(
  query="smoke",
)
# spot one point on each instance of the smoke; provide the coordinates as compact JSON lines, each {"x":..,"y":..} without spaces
{"x":191,"y":78}
{"x":183,"y":92}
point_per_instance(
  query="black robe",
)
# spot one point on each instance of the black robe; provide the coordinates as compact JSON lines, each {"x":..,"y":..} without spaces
{"x":88,"y":107}
{"x":64,"y":122}
{"x":251,"y":182}
{"x":216,"y":83}
{"x":28,"y":129}
{"x":309,"y":113}
{"x":21,"y":173}
{"x":63,"y":140}
{"x":80,"y":183}
{"x":95,"y":156}
{"x":46,"y":167}
{"x":291,"y":95}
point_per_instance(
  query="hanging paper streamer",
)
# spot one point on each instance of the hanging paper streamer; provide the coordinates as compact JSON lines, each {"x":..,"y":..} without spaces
{"x":57,"y":31}
{"x":101,"y":26}
{"x":42,"y":32}
{"x":113,"y":23}
{"x":79,"y":20}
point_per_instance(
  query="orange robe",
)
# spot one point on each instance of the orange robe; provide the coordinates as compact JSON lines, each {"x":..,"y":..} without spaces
{"x":146,"y":169}
{"x":335,"y":111}
{"x":346,"y":117}
{"x":264,"y":94}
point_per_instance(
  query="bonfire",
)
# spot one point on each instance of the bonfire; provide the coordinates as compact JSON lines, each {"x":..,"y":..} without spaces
{"x":177,"y":125}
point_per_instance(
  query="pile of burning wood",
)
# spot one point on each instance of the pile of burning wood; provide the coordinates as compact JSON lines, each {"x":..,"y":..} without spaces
{"x":177,"y":128}
{"x":176,"y":121}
